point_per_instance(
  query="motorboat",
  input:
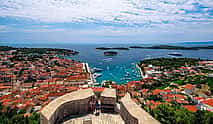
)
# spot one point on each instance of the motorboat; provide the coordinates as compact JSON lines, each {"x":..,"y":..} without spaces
{"x":97,"y":69}
{"x":175,"y":54}
{"x":95,"y":75}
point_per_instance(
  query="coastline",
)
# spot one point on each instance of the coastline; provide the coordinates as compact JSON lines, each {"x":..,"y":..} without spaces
{"x":122,"y":59}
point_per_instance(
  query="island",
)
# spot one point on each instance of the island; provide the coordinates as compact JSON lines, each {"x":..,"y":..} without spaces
{"x":112,"y":48}
{"x":169,"y":47}
{"x":110,"y":53}
{"x":136,"y":47}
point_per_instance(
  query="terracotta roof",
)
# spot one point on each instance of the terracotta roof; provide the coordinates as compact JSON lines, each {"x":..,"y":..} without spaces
{"x":143,"y":90}
{"x":166,"y":90}
{"x":134,"y":82}
{"x":189,"y":86}
{"x":208,"y":102}
{"x":198,"y":98}
{"x":180,"y":96}
{"x":181,"y":101}
{"x":191,"y":108}
{"x":156,"y":91}
{"x":98,"y":89}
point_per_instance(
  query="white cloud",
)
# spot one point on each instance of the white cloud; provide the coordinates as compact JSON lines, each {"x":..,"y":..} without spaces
{"x":129,"y":12}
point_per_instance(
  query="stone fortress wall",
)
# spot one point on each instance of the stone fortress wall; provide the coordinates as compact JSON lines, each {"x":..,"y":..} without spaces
{"x":133,"y":113}
{"x":74,"y":103}
{"x":77,"y":103}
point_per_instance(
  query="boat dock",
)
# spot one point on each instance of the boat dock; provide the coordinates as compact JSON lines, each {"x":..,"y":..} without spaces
{"x":141,"y":71}
{"x":92,"y":81}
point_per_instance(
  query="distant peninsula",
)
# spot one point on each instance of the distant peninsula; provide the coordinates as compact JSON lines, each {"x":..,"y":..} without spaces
{"x":112,"y":48}
{"x":173,"y":47}
{"x":40,"y":50}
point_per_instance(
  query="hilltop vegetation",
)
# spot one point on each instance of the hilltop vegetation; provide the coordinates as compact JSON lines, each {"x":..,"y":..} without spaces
{"x":13,"y":116}
{"x":39,"y":50}
{"x":169,"y":47}
{"x":168,"y":114}
{"x":169,"y":63}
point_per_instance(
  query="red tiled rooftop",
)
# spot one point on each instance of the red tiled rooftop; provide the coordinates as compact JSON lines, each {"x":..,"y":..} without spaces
{"x":182,"y":67}
{"x":208,"y":102}
{"x":181,"y":101}
{"x":153,"y":104}
{"x":180,"y":96}
{"x":121,"y":87}
{"x":5,"y":87}
{"x":97,"y":89}
{"x":198,"y":98}
{"x":143,"y":90}
{"x":121,"y":94}
{"x":147,"y":68}
{"x":168,"y":100}
{"x":168,"y":95}
{"x":149,"y":78}
{"x":156,"y":91}
{"x":166,"y":90}
{"x":135,"y":82}
{"x":191,"y":108}
{"x":133,"y":93}
{"x":189,"y":86}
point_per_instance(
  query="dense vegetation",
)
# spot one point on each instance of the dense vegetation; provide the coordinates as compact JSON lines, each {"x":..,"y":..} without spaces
{"x":39,"y":50}
{"x":173,"y":47}
{"x":6,"y":48}
{"x":168,"y":114}
{"x":169,"y":63}
{"x":112,"y":48}
{"x":173,"y":63}
{"x":13,"y":116}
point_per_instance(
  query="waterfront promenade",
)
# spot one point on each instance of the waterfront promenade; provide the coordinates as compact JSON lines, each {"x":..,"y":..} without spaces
{"x":141,"y":71}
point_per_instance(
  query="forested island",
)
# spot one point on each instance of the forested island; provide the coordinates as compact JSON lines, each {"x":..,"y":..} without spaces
{"x":110,"y":53}
{"x":173,"y":47}
{"x":112,"y":48}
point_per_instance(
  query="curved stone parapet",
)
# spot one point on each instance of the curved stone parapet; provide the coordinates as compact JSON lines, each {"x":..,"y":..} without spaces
{"x":74,"y":103}
{"x":134,"y":114}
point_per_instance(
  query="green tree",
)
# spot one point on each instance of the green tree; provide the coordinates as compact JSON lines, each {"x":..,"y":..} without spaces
{"x":164,"y":113}
{"x":208,"y":118}
{"x":183,"y":117}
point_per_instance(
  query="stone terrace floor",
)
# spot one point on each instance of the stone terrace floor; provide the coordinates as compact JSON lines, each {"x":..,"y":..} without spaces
{"x":103,"y":118}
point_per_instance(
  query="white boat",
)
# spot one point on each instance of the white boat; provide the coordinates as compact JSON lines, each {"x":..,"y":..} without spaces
{"x":107,"y":60}
{"x":95,"y":75}
{"x":96,"y":69}
{"x":175,"y":54}
{"x":107,"y":67}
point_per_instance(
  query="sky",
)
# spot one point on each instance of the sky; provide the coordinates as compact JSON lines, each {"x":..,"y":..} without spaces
{"x":106,"y":21}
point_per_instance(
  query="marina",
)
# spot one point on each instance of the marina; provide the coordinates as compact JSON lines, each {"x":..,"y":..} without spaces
{"x":122,"y":67}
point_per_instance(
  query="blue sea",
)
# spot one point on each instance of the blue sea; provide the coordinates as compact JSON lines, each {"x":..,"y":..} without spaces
{"x":120,"y":68}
